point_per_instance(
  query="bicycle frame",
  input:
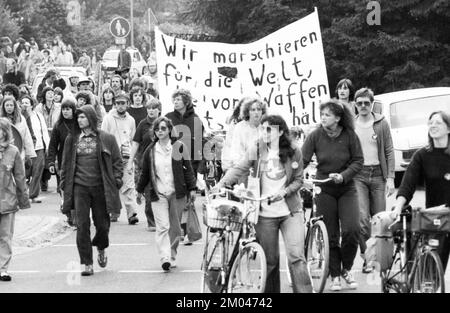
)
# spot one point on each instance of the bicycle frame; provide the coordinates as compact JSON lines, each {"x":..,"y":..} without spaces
{"x":246,"y":235}
{"x":408,"y":260}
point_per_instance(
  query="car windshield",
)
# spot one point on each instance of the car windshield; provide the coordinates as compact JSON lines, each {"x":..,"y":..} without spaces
{"x":111,"y":55}
{"x":415,"y":112}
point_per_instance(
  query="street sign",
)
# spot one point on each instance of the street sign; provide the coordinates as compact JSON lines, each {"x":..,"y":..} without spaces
{"x":121,"y":41}
{"x":120,"y":27}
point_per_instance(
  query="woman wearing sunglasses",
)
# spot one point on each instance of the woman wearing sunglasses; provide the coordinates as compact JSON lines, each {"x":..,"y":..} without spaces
{"x":339,"y":157}
{"x":167,"y":169}
{"x":277,"y":162}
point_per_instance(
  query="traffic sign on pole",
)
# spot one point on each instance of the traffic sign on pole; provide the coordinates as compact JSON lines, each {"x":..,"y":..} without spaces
{"x":120,"y":27}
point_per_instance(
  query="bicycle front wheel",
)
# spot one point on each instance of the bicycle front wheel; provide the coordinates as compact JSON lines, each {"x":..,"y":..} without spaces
{"x":249,"y":271}
{"x":428,"y":276}
{"x":212,"y":266}
{"x":318,"y":255}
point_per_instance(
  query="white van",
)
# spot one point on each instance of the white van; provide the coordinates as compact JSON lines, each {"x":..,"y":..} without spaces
{"x":407,"y":112}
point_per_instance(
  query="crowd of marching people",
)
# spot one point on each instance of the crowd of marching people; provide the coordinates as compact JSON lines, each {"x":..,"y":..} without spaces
{"x":113,"y":151}
{"x":23,"y":60}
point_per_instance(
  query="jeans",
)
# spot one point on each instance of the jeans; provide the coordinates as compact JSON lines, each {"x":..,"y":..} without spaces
{"x":338,"y":204}
{"x":36,"y":173}
{"x":371,"y":187}
{"x":85,"y":199}
{"x":167,"y":211}
{"x":293,"y":231}
{"x":6,"y":235}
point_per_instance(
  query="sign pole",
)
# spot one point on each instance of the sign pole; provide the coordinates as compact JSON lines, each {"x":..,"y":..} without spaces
{"x":132,"y":21}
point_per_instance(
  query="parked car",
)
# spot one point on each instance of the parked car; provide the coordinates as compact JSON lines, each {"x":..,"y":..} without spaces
{"x":65,"y":72}
{"x":407,"y":113}
{"x":109,"y":60}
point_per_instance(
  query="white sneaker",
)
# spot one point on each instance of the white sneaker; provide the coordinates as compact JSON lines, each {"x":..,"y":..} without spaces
{"x":173,"y":263}
{"x":349,"y":280}
{"x":335,"y":284}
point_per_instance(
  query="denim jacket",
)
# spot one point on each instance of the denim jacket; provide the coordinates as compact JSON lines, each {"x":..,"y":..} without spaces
{"x":13,"y":188}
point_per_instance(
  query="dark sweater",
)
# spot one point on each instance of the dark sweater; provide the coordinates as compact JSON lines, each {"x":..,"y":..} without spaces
{"x":57,"y":140}
{"x":87,"y":170}
{"x":429,"y":167}
{"x":13,"y":78}
{"x":144,"y":136}
{"x":342,"y":155}
{"x":138,"y":114}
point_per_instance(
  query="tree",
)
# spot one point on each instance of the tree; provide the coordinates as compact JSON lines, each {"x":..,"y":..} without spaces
{"x":411,"y":47}
{"x":8,"y":25}
{"x":49,"y":20}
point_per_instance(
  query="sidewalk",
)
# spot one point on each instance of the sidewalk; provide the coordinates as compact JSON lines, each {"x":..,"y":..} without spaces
{"x":42,"y":225}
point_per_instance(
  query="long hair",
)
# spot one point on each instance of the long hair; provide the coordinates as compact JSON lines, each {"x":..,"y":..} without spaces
{"x":136,"y":90}
{"x":17,"y":118}
{"x":285,"y":141}
{"x":67,"y":103}
{"x":44,"y":94}
{"x":109,"y":89}
{"x":347,"y":82}
{"x":446,"y":118}
{"x":339,"y":109}
{"x":236,"y":116}
{"x":246,"y":106}
{"x":5,"y":127}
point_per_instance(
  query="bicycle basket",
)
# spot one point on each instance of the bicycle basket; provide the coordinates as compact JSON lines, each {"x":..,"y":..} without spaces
{"x":221,"y":213}
{"x":431,"y":220}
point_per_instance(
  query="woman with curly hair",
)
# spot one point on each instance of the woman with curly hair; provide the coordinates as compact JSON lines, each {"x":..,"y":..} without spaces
{"x":245,"y":133}
{"x":339,"y":157}
{"x":277,"y":163}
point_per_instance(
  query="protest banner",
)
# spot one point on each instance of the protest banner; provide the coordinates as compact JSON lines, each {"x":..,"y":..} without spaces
{"x":286,"y":69}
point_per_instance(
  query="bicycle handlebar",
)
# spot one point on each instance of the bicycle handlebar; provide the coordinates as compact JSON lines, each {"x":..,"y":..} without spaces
{"x":239,"y":194}
{"x":317,"y":181}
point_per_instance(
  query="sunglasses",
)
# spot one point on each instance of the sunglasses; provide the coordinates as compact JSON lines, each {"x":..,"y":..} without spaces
{"x":361,"y":103}
{"x":121,"y":102}
{"x":162,"y":128}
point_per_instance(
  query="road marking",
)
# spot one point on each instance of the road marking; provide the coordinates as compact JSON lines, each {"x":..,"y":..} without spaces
{"x":111,"y":245}
{"x":141,"y":272}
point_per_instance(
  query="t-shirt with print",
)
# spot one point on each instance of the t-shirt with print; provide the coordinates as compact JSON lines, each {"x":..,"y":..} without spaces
{"x":273,"y":179}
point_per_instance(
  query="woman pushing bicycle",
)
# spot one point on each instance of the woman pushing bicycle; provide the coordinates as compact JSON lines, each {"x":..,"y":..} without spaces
{"x":431,"y":164}
{"x":277,"y":166}
{"x":339,"y":156}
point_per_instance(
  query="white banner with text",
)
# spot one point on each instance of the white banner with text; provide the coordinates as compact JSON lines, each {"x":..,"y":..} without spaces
{"x":286,"y":69}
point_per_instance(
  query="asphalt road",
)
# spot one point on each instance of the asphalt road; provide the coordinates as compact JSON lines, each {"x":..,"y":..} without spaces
{"x":133,"y":266}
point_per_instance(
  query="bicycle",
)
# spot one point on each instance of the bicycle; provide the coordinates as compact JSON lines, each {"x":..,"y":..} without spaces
{"x":317,"y":247}
{"x":245,"y":269}
{"x":415,"y":269}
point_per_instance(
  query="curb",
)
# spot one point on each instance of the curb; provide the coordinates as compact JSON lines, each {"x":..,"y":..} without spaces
{"x":34,"y":232}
